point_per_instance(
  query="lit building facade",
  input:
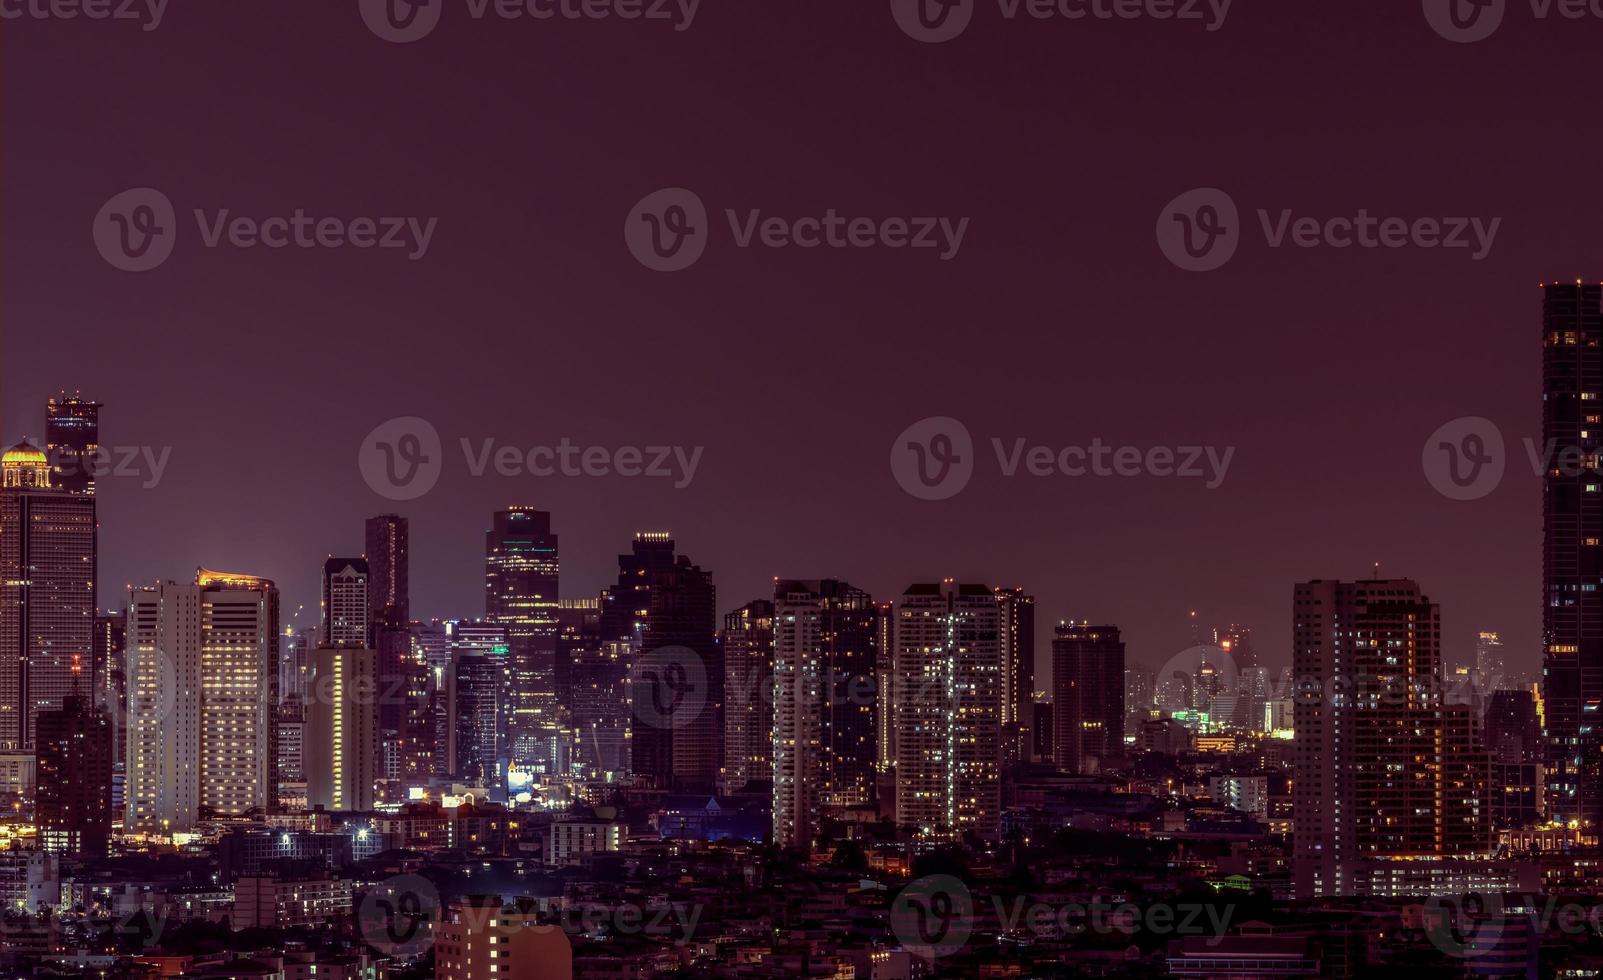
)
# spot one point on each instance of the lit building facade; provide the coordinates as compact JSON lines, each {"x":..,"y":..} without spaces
{"x":342,"y":727}
{"x":747,"y":641}
{"x":522,"y":568}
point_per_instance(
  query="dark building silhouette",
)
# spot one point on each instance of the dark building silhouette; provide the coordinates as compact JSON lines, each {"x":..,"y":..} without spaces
{"x":668,"y":605}
{"x":110,"y":673}
{"x":1512,"y":731}
{"x":1018,"y":671}
{"x":1087,"y":696}
{"x":388,"y":563}
{"x":72,"y":440}
{"x":521,"y":571}
{"x":747,"y":641}
{"x":1572,"y":548}
{"x":73,"y":808}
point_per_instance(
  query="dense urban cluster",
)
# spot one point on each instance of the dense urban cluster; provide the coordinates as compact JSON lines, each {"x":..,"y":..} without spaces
{"x":657,"y":781}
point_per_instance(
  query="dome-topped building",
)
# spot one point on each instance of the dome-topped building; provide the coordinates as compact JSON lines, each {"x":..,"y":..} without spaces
{"x":25,"y":466}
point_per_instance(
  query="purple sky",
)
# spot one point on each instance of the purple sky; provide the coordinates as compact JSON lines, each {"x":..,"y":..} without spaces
{"x":1060,"y":320}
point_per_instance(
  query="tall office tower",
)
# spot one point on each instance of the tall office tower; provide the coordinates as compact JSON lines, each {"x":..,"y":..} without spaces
{"x":669,"y":606}
{"x":1140,"y":695}
{"x":388,"y":564}
{"x":1572,"y":550}
{"x":432,"y":640}
{"x":599,"y":706}
{"x":47,"y":592}
{"x":111,"y":677}
{"x":1512,"y":731}
{"x":72,"y":440}
{"x":202,"y":696}
{"x":1491,"y":671}
{"x":344,"y":603}
{"x":521,"y":571}
{"x":405,"y":742}
{"x":948,"y":711}
{"x":484,"y":684}
{"x":295,"y":668}
{"x":747,"y":640}
{"x":1018,"y":673}
{"x":473,"y":692}
{"x":1087,"y":696}
{"x":342,"y":729}
{"x":578,"y":628}
{"x":73,"y":810}
{"x":1236,"y":640}
{"x":824,"y":732}
{"x":1383,"y":769}
{"x":885,"y":689}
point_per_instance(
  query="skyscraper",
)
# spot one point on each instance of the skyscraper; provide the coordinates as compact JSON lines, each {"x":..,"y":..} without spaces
{"x":111,"y":677}
{"x":389,"y":571}
{"x":73,"y":812}
{"x":47,"y":592}
{"x":1491,"y":671}
{"x":345,"y":602}
{"x":1384,"y":770}
{"x":1018,"y":673}
{"x":72,"y":440}
{"x":471,"y":703}
{"x":824,"y":731}
{"x":521,"y":573}
{"x":948,"y":711}
{"x":202,"y":698}
{"x":1572,"y":550}
{"x":1087,"y":696}
{"x":668,"y":605}
{"x":342,"y":729}
{"x":747,"y":640}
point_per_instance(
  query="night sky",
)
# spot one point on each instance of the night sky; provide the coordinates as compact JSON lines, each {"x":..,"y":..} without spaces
{"x":1059,"y":320}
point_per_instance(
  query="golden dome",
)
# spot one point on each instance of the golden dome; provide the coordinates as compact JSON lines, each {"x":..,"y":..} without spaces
{"x":24,"y":453}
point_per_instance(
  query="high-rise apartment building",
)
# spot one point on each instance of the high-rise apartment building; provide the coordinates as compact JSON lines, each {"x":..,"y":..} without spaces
{"x":948,"y":711}
{"x":1018,"y":673}
{"x":72,"y":441}
{"x":1572,"y":550}
{"x":747,"y":641}
{"x":521,"y":573}
{"x":1087,"y":696}
{"x":345,"y":602}
{"x":111,"y":677}
{"x":824,"y":732}
{"x":47,"y":592}
{"x":73,"y":809}
{"x":202,"y":699}
{"x":1385,"y":771}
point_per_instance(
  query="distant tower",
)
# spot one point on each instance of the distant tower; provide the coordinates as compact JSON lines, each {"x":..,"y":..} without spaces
{"x":948,"y":711}
{"x":342,"y":729}
{"x":345,"y":602}
{"x":522,"y":568}
{"x":1087,"y":696}
{"x":47,"y":592}
{"x":73,"y":812}
{"x":748,"y":646}
{"x":72,"y":439}
{"x":825,"y":654}
{"x":388,"y":563}
{"x":1018,"y":673}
